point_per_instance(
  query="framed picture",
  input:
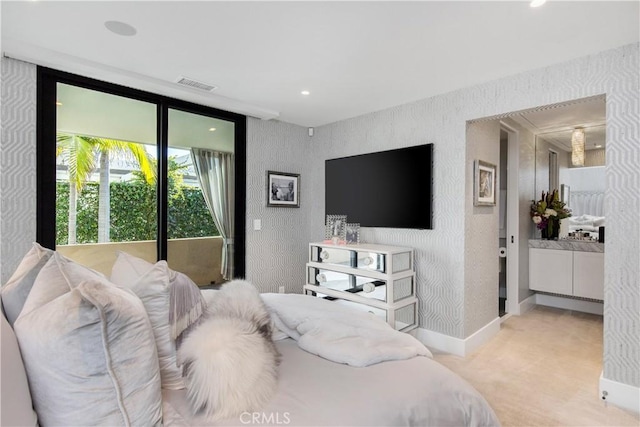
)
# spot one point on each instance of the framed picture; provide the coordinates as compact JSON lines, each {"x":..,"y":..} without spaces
{"x":283,"y":189}
{"x":484,"y":184}
{"x":352,"y":232}
{"x":335,"y":227}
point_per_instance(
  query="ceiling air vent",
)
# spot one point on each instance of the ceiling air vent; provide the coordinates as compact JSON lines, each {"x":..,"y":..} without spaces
{"x":194,"y":84}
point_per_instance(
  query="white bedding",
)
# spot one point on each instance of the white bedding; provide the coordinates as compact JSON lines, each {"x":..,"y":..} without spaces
{"x":316,"y":392}
{"x":313,"y":391}
{"x":339,"y":333}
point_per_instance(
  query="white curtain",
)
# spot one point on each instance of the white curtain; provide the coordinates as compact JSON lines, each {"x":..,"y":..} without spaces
{"x":216,"y":174}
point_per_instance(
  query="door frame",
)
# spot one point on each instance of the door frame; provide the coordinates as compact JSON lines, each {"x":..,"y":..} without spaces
{"x":513,"y":214}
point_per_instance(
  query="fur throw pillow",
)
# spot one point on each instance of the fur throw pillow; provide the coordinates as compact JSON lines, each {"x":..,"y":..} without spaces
{"x":229,"y":360}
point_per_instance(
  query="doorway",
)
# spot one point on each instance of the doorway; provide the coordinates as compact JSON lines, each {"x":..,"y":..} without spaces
{"x":502,"y":227}
{"x":508,"y":235}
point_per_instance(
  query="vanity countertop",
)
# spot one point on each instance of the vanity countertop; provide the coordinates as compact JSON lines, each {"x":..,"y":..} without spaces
{"x":567,"y":245}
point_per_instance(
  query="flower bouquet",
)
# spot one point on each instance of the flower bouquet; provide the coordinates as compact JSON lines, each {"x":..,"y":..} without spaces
{"x":547,"y":212}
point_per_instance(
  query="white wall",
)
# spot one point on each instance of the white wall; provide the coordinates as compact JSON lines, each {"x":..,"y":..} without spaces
{"x":585,"y":179}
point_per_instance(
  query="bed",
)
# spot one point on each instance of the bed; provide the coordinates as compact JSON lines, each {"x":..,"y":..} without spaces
{"x":316,"y":392}
{"x":339,"y":366}
{"x":587,"y":212}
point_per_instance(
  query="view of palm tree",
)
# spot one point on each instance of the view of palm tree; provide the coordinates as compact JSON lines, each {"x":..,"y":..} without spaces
{"x":83,"y":155}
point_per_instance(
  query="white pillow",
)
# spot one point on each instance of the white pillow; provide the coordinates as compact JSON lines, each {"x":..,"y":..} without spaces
{"x":153,"y":289}
{"x":151,"y":282}
{"x":91,"y":359}
{"x":58,"y":276}
{"x":17,"y":288}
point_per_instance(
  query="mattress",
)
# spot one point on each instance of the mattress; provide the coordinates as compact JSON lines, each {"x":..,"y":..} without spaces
{"x":316,"y":392}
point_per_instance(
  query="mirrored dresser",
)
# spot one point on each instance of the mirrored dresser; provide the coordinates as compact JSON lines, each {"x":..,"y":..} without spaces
{"x":378,"y":279}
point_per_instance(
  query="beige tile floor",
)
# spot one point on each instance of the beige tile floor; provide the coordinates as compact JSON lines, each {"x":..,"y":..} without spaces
{"x":543,"y":369}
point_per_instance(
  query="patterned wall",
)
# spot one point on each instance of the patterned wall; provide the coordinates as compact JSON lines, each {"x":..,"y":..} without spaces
{"x":439,"y":252}
{"x":17,"y":163}
{"x":618,"y":72}
{"x":481,"y":231}
{"x":442,"y":278}
{"x":276,"y":255}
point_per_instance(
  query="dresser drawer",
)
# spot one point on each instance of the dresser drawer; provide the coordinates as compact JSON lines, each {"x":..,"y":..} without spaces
{"x":352,"y":283}
{"x":401,"y":318}
{"x":393,"y":290}
{"x":364,"y":260}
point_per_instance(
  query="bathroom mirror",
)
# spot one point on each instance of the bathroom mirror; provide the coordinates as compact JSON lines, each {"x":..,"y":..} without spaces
{"x":553,"y":128}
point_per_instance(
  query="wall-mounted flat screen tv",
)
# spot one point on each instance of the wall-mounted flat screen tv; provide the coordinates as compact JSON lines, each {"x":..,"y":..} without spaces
{"x":390,"y":189}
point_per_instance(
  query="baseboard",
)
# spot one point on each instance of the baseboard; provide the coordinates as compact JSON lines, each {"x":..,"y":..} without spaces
{"x":623,"y":395}
{"x":440,"y":342}
{"x":458,"y":346}
{"x":570,"y":304}
{"x":527,"y":304}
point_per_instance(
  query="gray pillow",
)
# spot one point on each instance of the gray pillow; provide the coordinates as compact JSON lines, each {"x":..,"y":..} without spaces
{"x":91,"y":359}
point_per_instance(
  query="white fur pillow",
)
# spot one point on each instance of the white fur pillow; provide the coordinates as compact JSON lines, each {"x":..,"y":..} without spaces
{"x":230,"y":362}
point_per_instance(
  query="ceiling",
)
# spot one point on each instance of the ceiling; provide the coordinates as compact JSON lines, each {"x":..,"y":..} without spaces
{"x":353,"y":57}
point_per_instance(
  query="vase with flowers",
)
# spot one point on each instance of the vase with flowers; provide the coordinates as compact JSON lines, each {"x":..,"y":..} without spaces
{"x":547,"y":212}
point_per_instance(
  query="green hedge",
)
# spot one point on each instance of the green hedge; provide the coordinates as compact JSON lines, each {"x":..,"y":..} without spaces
{"x":133,"y":213}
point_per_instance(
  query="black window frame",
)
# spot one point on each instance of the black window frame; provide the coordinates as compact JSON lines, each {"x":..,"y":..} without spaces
{"x":47,"y":80}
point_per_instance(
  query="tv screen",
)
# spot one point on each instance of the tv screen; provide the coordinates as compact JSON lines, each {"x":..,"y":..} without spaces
{"x":386,"y":189}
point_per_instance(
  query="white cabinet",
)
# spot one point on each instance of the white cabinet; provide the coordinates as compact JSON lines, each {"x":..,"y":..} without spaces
{"x":378,"y":279}
{"x":566,"y":272}
{"x":588,"y":275}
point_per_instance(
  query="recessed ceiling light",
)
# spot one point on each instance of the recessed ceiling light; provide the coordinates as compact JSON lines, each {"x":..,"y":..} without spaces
{"x":58,"y":103}
{"x":120,"y":28}
{"x":598,"y":146}
{"x":212,"y":129}
{"x":537,"y":3}
{"x":305,"y":92}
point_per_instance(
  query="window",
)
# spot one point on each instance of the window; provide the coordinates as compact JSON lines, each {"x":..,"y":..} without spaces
{"x":115,"y":173}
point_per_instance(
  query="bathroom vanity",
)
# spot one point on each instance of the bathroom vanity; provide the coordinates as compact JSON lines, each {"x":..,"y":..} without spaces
{"x":567,"y":267}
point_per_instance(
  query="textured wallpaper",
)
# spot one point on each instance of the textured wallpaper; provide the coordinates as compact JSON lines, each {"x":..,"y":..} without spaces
{"x":443,"y":280}
{"x":481,"y":231}
{"x":276,"y":254}
{"x":17,"y":164}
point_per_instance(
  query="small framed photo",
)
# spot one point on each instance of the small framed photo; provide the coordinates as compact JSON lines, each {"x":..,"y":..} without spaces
{"x":335,"y":227}
{"x":352,"y":233}
{"x":283,"y":189}
{"x":484,"y":184}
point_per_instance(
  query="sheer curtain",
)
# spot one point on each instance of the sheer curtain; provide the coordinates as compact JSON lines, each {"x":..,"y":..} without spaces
{"x":216,"y":175}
